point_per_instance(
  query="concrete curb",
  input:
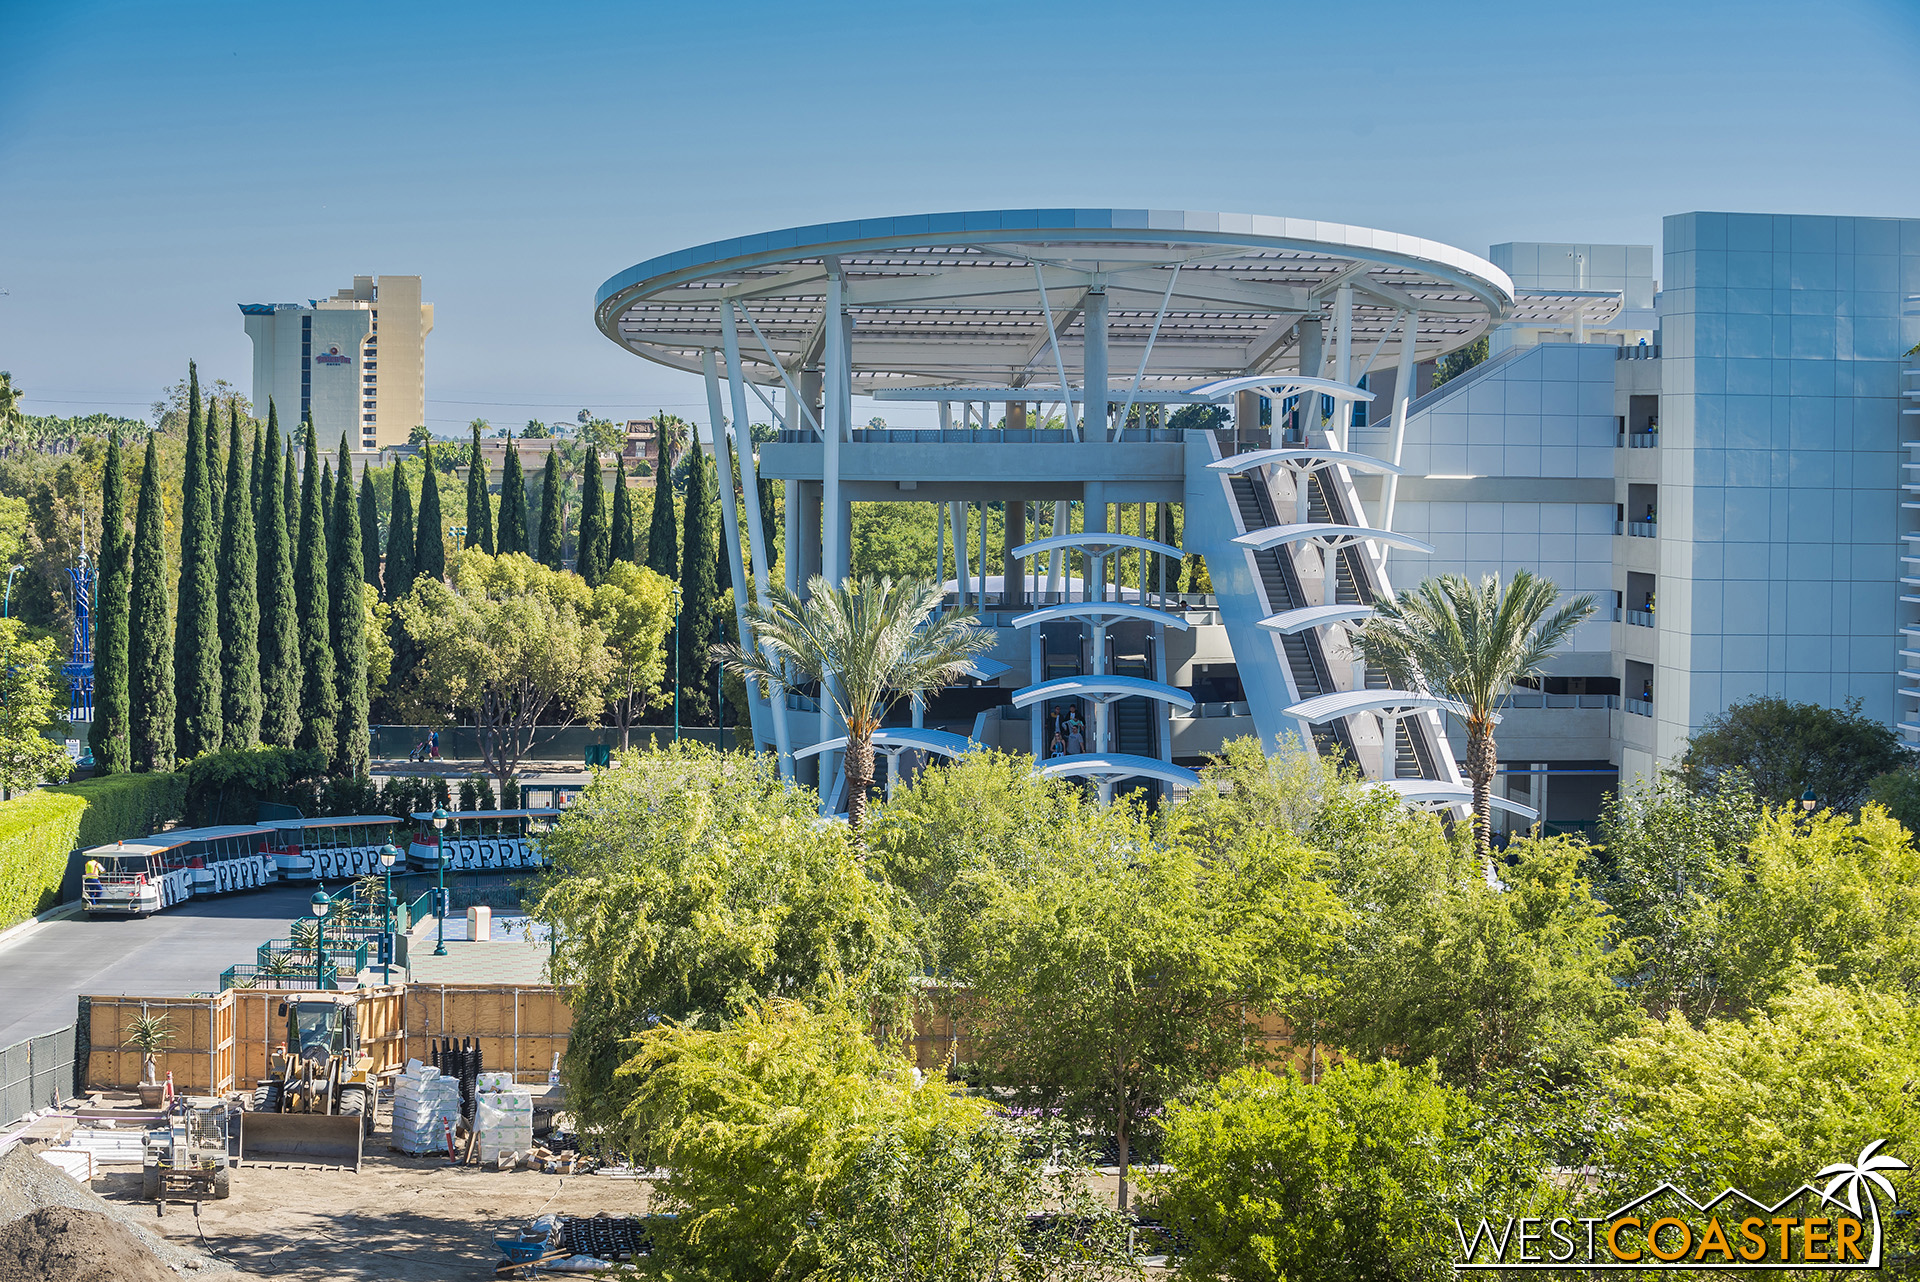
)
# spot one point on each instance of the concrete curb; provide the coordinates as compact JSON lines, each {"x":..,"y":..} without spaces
{"x":61,"y":913}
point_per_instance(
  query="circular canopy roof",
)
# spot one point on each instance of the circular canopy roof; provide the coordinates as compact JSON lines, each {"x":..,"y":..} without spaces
{"x":957,"y":299}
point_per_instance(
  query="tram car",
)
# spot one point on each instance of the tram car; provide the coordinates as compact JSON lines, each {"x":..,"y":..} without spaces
{"x":146,"y":874}
{"x":330,"y":847}
{"x":480,"y":840}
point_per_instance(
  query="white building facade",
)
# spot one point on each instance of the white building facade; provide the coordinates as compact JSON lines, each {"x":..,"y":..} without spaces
{"x":354,"y":364}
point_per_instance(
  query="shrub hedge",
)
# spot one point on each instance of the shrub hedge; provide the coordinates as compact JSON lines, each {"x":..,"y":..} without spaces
{"x":40,"y":829}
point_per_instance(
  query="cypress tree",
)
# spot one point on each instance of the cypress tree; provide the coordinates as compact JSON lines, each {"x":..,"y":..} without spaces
{"x":479,"y":505}
{"x":107,"y":737}
{"x":552,"y":541}
{"x":253,"y":477}
{"x":770,"y":518}
{"x":663,"y":534}
{"x":239,"y":604}
{"x":430,"y":537}
{"x":399,"y":574}
{"x":590,"y":560}
{"x":280,"y":675}
{"x":350,"y":753}
{"x":326,"y":509}
{"x":620,"y":547}
{"x":698,"y":581}
{"x":149,"y":639}
{"x":369,"y":530}
{"x":319,"y":696}
{"x":290,"y":499}
{"x":216,"y":473}
{"x":196,"y":640}
{"x":513,"y":504}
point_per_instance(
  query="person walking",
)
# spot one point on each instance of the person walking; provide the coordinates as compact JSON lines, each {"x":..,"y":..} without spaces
{"x":1058,"y":747}
{"x":433,"y":744}
{"x":1076,"y":742}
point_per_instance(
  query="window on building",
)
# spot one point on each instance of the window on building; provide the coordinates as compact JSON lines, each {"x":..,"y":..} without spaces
{"x":1360,"y":407}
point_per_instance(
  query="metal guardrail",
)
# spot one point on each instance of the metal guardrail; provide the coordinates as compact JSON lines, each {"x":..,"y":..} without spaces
{"x":1642,"y":529}
{"x":244,"y":976}
{"x":1642,"y":440}
{"x":37,"y":1073}
{"x":1640,"y":618}
{"x":1639,"y":707}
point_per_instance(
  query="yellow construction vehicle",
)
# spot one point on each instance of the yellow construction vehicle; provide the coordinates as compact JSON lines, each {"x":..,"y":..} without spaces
{"x":316,"y":1104}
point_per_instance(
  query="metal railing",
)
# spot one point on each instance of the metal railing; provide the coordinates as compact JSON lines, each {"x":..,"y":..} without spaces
{"x":1642,"y":529}
{"x":1534,"y":699}
{"x":1643,"y":440}
{"x":1640,"y":618}
{"x":1638,"y":352}
{"x":1641,"y":707}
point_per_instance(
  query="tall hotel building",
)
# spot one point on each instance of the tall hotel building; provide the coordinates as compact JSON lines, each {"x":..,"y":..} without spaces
{"x":334,"y":361}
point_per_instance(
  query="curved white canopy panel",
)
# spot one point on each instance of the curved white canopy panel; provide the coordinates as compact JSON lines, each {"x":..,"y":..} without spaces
{"x":1101,"y":690}
{"x":1453,"y":794}
{"x":943,"y":742}
{"x":1314,"y":616}
{"x":1097,"y":543}
{"x":1117,"y":765}
{"x":1279,"y":387}
{"x":1100,"y":612}
{"x":955,"y":299}
{"x":1344,"y":703}
{"x":981,"y":668}
{"x":1327,"y":535}
{"x":1306,"y":460}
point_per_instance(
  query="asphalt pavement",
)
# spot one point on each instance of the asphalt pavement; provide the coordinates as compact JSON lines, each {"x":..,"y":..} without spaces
{"x":44,"y":969}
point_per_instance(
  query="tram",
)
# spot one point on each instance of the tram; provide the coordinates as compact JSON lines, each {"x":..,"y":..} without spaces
{"x":329,"y":847}
{"x":146,"y":874}
{"x":480,"y":840}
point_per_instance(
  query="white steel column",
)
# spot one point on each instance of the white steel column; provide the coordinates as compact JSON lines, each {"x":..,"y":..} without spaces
{"x":1057,"y":559}
{"x":756,"y":531}
{"x":957,"y":513}
{"x":1093,"y":365}
{"x":1036,"y":669}
{"x":833,"y":538}
{"x":1343,"y":362}
{"x":730,"y":530}
{"x":1402,"y":398}
{"x":940,"y":548}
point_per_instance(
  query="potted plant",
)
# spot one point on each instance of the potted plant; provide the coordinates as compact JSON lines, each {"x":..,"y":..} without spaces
{"x":149,"y":1034}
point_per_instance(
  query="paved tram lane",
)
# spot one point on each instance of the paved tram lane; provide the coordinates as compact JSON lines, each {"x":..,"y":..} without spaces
{"x":44,"y":970}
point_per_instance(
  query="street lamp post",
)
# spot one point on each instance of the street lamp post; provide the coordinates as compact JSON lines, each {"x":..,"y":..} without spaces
{"x":320,"y":902}
{"x":440,"y":849}
{"x":6,"y":606}
{"x":1808,"y":801}
{"x":389,"y":854}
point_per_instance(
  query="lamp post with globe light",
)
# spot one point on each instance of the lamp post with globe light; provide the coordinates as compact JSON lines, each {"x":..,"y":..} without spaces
{"x":320,"y":902}
{"x":389,"y":855}
{"x":440,"y":850}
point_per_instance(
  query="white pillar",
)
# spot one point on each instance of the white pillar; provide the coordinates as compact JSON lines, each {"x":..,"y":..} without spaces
{"x":940,"y":545}
{"x":1057,"y":559}
{"x":1037,"y":672}
{"x":833,"y":537}
{"x":1343,"y":362}
{"x":730,"y":533}
{"x":1402,"y":398}
{"x":962,"y":571}
{"x":1093,"y":364}
{"x":1094,"y":521}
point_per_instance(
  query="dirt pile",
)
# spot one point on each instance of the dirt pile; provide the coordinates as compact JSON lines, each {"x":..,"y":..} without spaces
{"x":61,"y":1244}
{"x":29,"y":1185}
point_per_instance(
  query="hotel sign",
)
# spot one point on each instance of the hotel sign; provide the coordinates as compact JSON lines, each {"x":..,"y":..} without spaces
{"x":1832,"y":1229}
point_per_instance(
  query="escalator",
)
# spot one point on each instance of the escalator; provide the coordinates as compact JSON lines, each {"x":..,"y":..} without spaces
{"x":1305,"y":660}
{"x":1133,"y":719}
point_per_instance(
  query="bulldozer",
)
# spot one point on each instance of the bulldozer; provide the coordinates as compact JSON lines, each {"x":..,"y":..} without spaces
{"x":316,"y":1104}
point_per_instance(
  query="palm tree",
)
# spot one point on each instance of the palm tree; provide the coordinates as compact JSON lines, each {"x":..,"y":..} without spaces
{"x":9,"y":400}
{"x":868,"y":642}
{"x":1470,"y":644}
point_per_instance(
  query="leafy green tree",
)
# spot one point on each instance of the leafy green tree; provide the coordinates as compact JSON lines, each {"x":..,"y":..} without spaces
{"x":196,"y":643}
{"x":663,"y":530}
{"x":150,"y":628}
{"x":1824,"y":895}
{"x":634,"y":607}
{"x":1667,"y":854}
{"x":1898,"y":791}
{"x":430,"y":536}
{"x":552,"y":519}
{"x":1787,"y":749}
{"x":280,"y":673}
{"x":239,"y":600}
{"x":1470,"y":644}
{"x":1762,"y":1103}
{"x":399,"y":571}
{"x":687,"y":885}
{"x":590,"y":558}
{"x":369,"y":530}
{"x":1121,"y":967}
{"x":348,"y":619}
{"x":510,"y":646}
{"x":1459,"y":361}
{"x":107,"y":737}
{"x":620,"y":547}
{"x":479,"y":503}
{"x":312,"y":576}
{"x":33,"y":700}
{"x":869,"y":642}
{"x":1357,"y":1176}
{"x":798,"y":1148}
{"x":513,"y":504}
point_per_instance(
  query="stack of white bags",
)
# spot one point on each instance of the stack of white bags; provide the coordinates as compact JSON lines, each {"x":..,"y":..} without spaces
{"x":424,"y":1103}
{"x":504,"y":1116}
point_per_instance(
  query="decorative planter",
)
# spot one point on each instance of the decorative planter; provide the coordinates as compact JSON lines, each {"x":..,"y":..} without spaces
{"x":151,"y":1093}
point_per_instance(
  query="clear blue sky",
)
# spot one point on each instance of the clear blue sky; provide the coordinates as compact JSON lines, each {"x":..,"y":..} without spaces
{"x":160,"y":162}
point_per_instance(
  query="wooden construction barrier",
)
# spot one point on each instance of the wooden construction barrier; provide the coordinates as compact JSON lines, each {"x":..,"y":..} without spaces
{"x":222,"y":1044}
